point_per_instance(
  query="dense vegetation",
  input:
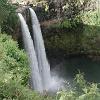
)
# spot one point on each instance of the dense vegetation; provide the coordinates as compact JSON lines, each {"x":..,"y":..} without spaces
{"x":77,"y":36}
{"x":14,"y":72}
{"x":82,"y":90}
{"x":76,"y":32}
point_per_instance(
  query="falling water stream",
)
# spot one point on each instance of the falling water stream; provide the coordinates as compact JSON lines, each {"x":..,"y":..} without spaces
{"x":40,"y":68}
{"x":29,"y":47}
{"x":44,"y":66}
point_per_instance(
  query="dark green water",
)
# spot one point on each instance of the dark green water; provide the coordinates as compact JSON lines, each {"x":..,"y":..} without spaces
{"x":70,"y":66}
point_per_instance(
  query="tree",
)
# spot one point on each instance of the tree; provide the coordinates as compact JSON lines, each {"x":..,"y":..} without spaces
{"x":75,"y":7}
{"x":5,"y":10}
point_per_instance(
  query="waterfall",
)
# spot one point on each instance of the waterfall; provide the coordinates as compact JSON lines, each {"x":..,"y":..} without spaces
{"x":44,"y":66}
{"x":29,"y":47}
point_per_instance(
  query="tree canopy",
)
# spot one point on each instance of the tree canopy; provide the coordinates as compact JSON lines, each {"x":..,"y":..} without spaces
{"x":5,"y":9}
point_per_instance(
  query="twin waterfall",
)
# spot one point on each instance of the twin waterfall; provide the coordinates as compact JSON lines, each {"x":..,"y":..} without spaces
{"x":43,"y":64}
{"x":40,"y":68}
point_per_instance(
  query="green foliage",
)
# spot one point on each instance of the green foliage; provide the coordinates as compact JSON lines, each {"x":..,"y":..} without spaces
{"x":10,"y":24}
{"x":89,"y":91}
{"x":15,"y":91}
{"x":79,"y":80}
{"x":85,"y":40}
{"x":64,"y":43}
{"x":74,"y":37}
{"x":14,"y":73}
{"x":8,"y":18}
{"x":13,"y":62}
{"x":4,"y":10}
{"x":70,"y":24}
{"x":91,"y":39}
{"x":91,"y":18}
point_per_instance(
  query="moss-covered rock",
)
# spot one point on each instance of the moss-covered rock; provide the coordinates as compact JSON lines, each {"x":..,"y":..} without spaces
{"x":80,"y":40}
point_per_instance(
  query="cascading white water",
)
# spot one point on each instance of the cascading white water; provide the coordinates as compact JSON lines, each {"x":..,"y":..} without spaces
{"x":44,"y":66}
{"x":29,"y":47}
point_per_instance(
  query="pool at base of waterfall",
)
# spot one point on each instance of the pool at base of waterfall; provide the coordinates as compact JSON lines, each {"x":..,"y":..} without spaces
{"x":69,"y":67}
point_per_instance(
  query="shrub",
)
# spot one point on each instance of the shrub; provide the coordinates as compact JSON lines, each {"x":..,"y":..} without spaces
{"x":82,"y":91}
{"x":13,"y":61}
{"x":15,"y":91}
{"x":14,"y":72}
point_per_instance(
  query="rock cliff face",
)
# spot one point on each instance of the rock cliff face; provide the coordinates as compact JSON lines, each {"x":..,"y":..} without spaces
{"x":60,"y":41}
{"x":21,"y":2}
